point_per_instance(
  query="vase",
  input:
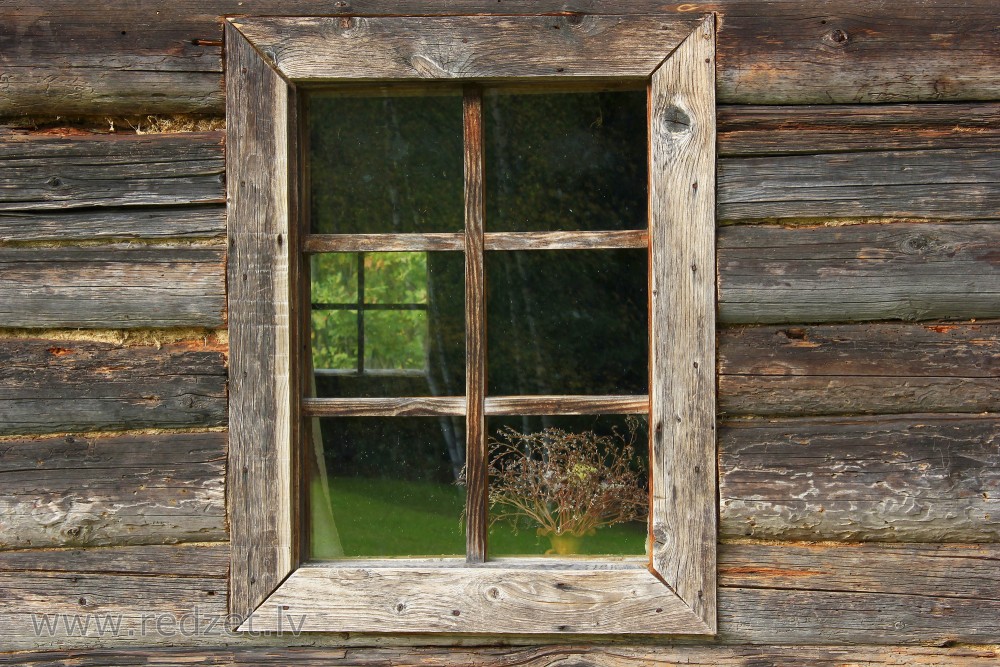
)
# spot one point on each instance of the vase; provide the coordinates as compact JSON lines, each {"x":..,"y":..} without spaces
{"x":565,"y":544}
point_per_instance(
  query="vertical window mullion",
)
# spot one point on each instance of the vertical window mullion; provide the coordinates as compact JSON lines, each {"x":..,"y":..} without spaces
{"x":361,"y":313}
{"x":475,"y":330}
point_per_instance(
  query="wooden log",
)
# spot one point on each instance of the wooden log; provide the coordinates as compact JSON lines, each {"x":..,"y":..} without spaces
{"x":93,"y":491}
{"x":45,"y":172}
{"x":914,"y":478}
{"x":124,"y":223}
{"x":49,"y":386}
{"x":114,"y":287}
{"x":961,"y":183}
{"x":880,"y":368}
{"x":535,"y":656}
{"x":858,"y":272}
{"x":201,"y":560}
{"x":782,"y":130}
{"x":72,"y":58}
{"x":888,"y":599}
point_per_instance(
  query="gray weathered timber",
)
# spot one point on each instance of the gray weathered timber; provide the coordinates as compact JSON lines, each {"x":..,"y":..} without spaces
{"x":960,"y":570}
{"x":101,"y":490}
{"x":918,"y":478}
{"x":682,"y":285}
{"x":49,"y":386}
{"x":858,"y":272}
{"x":881,"y":368}
{"x":839,"y":128}
{"x":396,"y":48}
{"x":116,"y":223}
{"x":260,"y":488}
{"x":536,"y":656}
{"x":68,"y":57}
{"x":208,"y":559}
{"x":891,"y":595}
{"x":46,"y":172}
{"x":115,"y":287}
{"x":959,"y":183}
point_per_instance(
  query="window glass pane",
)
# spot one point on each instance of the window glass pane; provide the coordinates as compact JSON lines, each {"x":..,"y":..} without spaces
{"x":568,"y":161}
{"x":335,"y":339}
{"x":403,"y":314}
{"x":386,"y":487}
{"x":564,"y":486}
{"x":567,"y":322}
{"x":395,"y":277}
{"x":396,"y":340}
{"x":334,"y":277}
{"x":385,"y":164}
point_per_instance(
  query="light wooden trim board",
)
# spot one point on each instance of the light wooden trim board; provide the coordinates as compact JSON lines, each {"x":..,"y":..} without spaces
{"x":267,"y":59}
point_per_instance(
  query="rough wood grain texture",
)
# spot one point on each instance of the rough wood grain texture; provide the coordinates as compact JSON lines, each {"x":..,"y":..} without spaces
{"x":476,"y":462}
{"x":836,"y":128}
{"x":468,"y":47}
{"x":957,"y":570}
{"x":858,"y":272}
{"x":893,"y":595}
{"x":91,"y":491}
{"x":884,"y":368}
{"x":382,"y":242}
{"x":918,"y":478}
{"x":209,"y":559}
{"x":682,"y":322}
{"x":567,"y":405}
{"x":113,"y":287}
{"x":475,"y":600}
{"x":537,"y":656}
{"x":259,"y":486}
{"x":49,"y":386}
{"x":960,"y":183}
{"x":45,"y":172}
{"x":427,"y":406}
{"x":127,"y":223}
{"x":67,"y":57}
{"x":638,"y":238}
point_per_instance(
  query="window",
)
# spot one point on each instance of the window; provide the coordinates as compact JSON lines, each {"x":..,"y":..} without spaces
{"x":290,"y":286}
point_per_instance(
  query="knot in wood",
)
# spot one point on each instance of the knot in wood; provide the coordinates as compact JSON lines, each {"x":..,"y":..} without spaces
{"x":674,"y":120}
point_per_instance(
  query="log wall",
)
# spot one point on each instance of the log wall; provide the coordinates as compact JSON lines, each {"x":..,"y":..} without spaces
{"x":859,"y":341}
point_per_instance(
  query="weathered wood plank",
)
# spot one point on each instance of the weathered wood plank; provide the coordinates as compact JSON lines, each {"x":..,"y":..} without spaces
{"x":382,"y":242}
{"x":638,"y":238}
{"x":682,"y":287}
{"x":126,"y":223}
{"x":477,"y":463}
{"x":782,"y":130}
{"x":919,"y":478}
{"x":330,"y":48}
{"x":46,"y":172}
{"x":69,"y":58}
{"x":261,"y":488}
{"x":49,"y":386}
{"x":961,"y":183}
{"x":858,"y":272}
{"x":894,"y":595}
{"x":95,"y":491}
{"x":883,"y":368}
{"x":566,"y":405}
{"x":115,"y":287}
{"x":536,"y":656}
{"x":200,"y":560}
{"x":425,"y":406}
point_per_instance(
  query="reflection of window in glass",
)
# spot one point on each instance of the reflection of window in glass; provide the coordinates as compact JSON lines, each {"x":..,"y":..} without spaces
{"x":369,"y":313}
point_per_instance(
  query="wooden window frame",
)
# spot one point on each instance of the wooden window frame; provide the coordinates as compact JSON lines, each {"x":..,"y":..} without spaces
{"x":269,"y":60}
